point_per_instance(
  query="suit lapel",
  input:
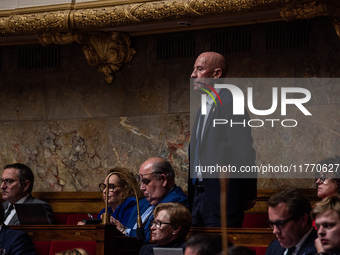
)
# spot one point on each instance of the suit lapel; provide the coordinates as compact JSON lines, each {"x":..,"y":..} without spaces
{"x":2,"y":235}
{"x":209,"y":121}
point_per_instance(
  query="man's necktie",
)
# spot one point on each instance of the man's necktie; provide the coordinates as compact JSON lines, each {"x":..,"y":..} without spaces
{"x":291,"y":250}
{"x":10,"y":208}
{"x":198,"y":143}
{"x":146,"y":215}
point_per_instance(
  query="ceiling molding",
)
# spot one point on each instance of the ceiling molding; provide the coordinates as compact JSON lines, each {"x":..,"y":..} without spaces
{"x":138,"y":17}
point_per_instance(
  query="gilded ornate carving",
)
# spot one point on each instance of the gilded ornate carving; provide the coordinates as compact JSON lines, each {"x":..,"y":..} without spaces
{"x":303,"y":10}
{"x":126,"y":14}
{"x":106,"y":50}
{"x":38,"y":22}
{"x":58,"y":38}
{"x":110,"y":16}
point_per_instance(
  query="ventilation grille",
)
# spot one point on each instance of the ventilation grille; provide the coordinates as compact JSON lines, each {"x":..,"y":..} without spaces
{"x":287,"y":35}
{"x":175,"y":46}
{"x":233,"y":40}
{"x":38,"y":57}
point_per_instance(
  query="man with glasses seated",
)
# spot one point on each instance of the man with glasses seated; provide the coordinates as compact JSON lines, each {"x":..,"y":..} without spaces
{"x":17,"y":184}
{"x":288,"y":213}
{"x":157,"y":182}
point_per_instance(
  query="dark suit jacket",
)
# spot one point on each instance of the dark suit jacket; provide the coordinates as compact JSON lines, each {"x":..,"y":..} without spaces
{"x":224,"y":145}
{"x":15,"y":242}
{"x":31,"y":200}
{"x":308,"y":247}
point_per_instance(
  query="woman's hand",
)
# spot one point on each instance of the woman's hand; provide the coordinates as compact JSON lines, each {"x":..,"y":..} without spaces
{"x":119,"y":225}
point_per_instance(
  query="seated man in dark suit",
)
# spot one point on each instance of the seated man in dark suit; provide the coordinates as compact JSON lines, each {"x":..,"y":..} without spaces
{"x":288,"y":212}
{"x":13,"y":241}
{"x":17,"y":184}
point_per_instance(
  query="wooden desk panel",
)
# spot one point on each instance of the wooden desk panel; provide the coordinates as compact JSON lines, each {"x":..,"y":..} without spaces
{"x":109,"y":240}
{"x":260,"y":237}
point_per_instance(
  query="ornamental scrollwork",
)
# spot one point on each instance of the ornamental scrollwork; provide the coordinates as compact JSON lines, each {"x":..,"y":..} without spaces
{"x":303,"y":11}
{"x":106,"y":50}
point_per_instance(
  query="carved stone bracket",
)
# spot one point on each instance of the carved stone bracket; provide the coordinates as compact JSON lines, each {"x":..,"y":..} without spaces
{"x":106,"y":50}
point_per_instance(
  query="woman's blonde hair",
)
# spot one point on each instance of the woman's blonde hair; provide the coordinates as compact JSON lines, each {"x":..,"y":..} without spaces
{"x":179,"y":216}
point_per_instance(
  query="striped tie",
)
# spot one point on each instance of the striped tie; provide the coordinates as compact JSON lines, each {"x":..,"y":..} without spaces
{"x":146,"y":215}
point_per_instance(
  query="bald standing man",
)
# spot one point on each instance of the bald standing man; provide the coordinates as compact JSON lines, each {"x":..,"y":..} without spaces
{"x":221,"y":145}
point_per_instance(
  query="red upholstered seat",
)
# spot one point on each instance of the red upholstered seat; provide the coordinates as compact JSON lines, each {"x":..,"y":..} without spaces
{"x":74,"y":218}
{"x":60,"y":218}
{"x":60,"y":246}
{"x":42,"y":247}
{"x":259,"y":250}
{"x":255,"y":220}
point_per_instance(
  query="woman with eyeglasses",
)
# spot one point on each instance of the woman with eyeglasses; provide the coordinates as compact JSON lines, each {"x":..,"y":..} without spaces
{"x":169,"y":228}
{"x":121,"y":198}
{"x":328,"y":178}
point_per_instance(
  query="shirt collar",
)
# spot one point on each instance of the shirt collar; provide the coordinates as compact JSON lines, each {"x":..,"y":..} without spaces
{"x":302,"y":240}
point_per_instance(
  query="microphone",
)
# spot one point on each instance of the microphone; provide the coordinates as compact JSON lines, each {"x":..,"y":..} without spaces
{"x":106,"y":216}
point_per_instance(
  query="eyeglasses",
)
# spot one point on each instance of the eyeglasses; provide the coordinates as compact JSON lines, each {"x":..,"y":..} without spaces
{"x":158,"y":223}
{"x":323,"y":179}
{"x":8,"y":182}
{"x":280,"y":224}
{"x":140,"y":178}
{"x":102,"y":186}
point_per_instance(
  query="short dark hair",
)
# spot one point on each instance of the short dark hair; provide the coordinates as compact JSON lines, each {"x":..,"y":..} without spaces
{"x":298,"y":204}
{"x":204,"y":244}
{"x":25,"y":173}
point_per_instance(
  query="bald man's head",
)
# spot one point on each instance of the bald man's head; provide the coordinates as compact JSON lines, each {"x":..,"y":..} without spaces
{"x":210,"y":65}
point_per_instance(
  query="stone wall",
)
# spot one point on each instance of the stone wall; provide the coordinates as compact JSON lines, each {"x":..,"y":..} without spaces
{"x":70,"y":126}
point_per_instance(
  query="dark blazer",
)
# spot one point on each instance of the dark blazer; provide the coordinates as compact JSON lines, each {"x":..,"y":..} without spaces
{"x":225,"y":145}
{"x":308,"y":247}
{"x":30,"y":200}
{"x":15,"y":242}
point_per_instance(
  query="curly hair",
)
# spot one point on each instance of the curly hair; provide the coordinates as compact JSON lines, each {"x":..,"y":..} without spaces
{"x":127,"y":190}
{"x":333,"y":175}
